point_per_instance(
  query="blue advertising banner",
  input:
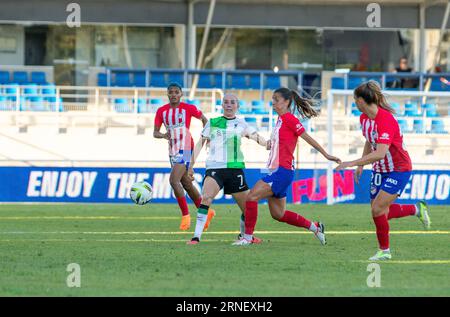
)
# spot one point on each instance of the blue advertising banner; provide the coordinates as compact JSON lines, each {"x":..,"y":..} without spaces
{"x":112,"y":185}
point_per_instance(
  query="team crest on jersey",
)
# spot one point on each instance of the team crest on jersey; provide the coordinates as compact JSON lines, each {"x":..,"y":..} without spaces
{"x":373,"y":189}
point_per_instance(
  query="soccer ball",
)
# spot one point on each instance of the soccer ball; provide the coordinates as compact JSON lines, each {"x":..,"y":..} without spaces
{"x":141,"y":193}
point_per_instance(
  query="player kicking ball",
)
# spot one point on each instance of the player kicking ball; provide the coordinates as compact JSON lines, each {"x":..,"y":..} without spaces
{"x":282,"y":146}
{"x":225,"y":162}
{"x":391,"y":164}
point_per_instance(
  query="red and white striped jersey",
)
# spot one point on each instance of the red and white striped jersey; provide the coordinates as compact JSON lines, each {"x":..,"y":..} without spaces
{"x":283,"y":141}
{"x":384,"y":129}
{"x":177,"y":121}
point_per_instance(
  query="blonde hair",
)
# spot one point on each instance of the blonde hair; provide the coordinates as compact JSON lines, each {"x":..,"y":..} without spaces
{"x":370,"y":92}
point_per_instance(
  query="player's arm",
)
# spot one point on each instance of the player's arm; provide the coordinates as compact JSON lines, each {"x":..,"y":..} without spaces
{"x":204,"y":119}
{"x":305,"y":136}
{"x":259,"y":139}
{"x":374,"y":156}
{"x":157,"y":134}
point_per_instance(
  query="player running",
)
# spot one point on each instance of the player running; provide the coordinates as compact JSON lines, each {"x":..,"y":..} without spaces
{"x":225,"y":162}
{"x":176,"y":117}
{"x":391,"y":167}
{"x":274,"y":186}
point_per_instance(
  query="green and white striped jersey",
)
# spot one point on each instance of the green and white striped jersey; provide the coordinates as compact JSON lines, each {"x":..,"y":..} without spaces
{"x":225,"y":142}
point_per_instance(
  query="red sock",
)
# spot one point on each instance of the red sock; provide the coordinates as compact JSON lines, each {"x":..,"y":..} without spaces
{"x":382,"y":225}
{"x":295,"y":219}
{"x":198,"y":202}
{"x":399,"y":211}
{"x":251,"y":215}
{"x":183,"y":205}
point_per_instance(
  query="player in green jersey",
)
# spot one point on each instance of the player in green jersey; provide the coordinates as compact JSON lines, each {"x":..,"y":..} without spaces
{"x":225,"y":161}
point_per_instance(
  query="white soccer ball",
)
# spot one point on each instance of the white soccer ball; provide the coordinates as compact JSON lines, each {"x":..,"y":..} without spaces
{"x":141,"y":193}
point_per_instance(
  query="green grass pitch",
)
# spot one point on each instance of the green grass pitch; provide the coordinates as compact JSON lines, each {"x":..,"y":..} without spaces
{"x":129,"y":250}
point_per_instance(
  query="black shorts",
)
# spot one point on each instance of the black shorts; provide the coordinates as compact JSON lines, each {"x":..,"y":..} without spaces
{"x":232,"y":180}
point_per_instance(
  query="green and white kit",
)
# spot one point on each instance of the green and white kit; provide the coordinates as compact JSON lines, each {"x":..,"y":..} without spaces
{"x":225,"y":142}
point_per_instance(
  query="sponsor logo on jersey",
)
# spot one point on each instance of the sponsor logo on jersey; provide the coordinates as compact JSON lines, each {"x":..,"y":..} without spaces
{"x":384,"y":136}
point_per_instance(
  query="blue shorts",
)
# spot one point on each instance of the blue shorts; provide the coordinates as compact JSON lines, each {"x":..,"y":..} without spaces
{"x":182,"y":157}
{"x":391,"y":183}
{"x":279,"y":180}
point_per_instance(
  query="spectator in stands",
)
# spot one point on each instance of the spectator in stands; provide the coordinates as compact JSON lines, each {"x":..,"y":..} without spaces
{"x":403,"y":67}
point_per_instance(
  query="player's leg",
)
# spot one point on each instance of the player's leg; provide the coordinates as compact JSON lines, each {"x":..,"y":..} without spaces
{"x":277,"y":207}
{"x":420,"y":210}
{"x":240,"y":199}
{"x":176,"y":174}
{"x":260,"y":191}
{"x":191,"y":190}
{"x":210,"y":190}
{"x":380,"y":210}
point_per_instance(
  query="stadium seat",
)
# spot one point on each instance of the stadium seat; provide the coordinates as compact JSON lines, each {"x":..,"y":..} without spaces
{"x":258,"y":107}
{"x":219,"y":106}
{"x":430,"y":110}
{"x":272,"y":82}
{"x":102,"y":80}
{"x":238,"y":81}
{"x":244,"y":108}
{"x":38,"y":78}
{"x":177,"y":78}
{"x":20,"y":78}
{"x":218,"y":81}
{"x":411,"y":110}
{"x":121,"y":105}
{"x":437,"y":126}
{"x":403,"y":123}
{"x":122,"y":80}
{"x":4,"y":78}
{"x":396,"y":107}
{"x":194,"y":102}
{"x":355,"y":111}
{"x":49,"y":90}
{"x":30,"y":89}
{"x":156,"y":103}
{"x":251,"y":121}
{"x":354,"y":82}
{"x":139,"y":79}
{"x":11,"y":90}
{"x":142,"y":106}
{"x":204,"y":81}
{"x":337,"y":83}
{"x":158,"y":79}
{"x":5,"y":105}
{"x":255,"y":82}
{"x":418,"y":126}
{"x":36,"y":103}
{"x":53,"y":104}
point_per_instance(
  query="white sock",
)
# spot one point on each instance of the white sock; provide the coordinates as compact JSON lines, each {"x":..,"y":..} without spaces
{"x":248,"y":237}
{"x":201,"y":220}
{"x":417,"y":211}
{"x":386,"y":250}
{"x":242,"y":225}
{"x":313,"y":227}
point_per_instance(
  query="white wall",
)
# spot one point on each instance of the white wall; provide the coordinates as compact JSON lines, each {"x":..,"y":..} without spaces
{"x":16,"y":33}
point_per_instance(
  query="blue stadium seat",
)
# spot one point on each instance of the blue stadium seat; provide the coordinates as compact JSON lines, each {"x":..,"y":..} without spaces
{"x":194,"y":102}
{"x":218,"y":81}
{"x":418,"y":126}
{"x":337,"y":83}
{"x":177,"y":78}
{"x":204,"y":81}
{"x":238,"y":81}
{"x":102,"y":80}
{"x":11,"y":90}
{"x":5,"y":104}
{"x":272,"y":82}
{"x":355,"y":111}
{"x":244,"y":108}
{"x":122,"y":80}
{"x":49,"y":90}
{"x":255,"y":82}
{"x":139,"y":79}
{"x":31,"y":89}
{"x":403,"y":123}
{"x":20,"y":78}
{"x":430,"y":110}
{"x":121,"y":105}
{"x":4,"y":78}
{"x":437,"y":85}
{"x":251,"y":121}
{"x":38,"y":78}
{"x":158,"y":79}
{"x":36,"y":103}
{"x":396,"y":107}
{"x":219,"y":106}
{"x":354,"y":82}
{"x":142,"y":106}
{"x":156,"y":103}
{"x":437,"y":126}
{"x":53,"y":104}
{"x":258,"y":107}
{"x":411,"y":110}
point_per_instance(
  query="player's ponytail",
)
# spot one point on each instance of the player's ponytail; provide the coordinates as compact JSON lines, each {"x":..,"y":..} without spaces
{"x":371,"y":92}
{"x":303,"y":105}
